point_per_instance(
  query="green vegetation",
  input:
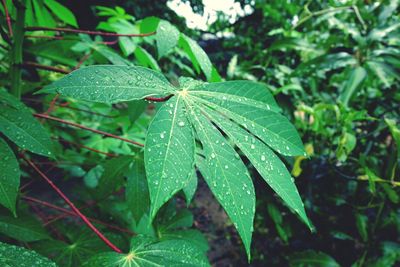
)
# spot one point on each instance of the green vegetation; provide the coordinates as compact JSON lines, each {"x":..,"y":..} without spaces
{"x":119,"y":128}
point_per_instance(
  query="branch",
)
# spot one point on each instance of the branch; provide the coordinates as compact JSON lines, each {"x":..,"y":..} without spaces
{"x":72,"y":206}
{"x":71,"y":213}
{"x":87,"y":128}
{"x":44,"y":67}
{"x":86,"y":147}
{"x":88,"y":32}
{"x":8,"y":19}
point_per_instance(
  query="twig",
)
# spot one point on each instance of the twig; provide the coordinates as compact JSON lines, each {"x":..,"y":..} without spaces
{"x":44,"y":67}
{"x":72,"y":206}
{"x":83,"y":59}
{"x":46,"y":37}
{"x":86,"y":147}
{"x":88,"y":32}
{"x":71,"y":213}
{"x":87,"y":128}
{"x":8,"y":19}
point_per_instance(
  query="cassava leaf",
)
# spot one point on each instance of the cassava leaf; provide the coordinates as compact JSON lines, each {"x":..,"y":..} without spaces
{"x":197,"y":55}
{"x":146,"y":59}
{"x":265,"y":161}
{"x":18,"y":124}
{"x":167,"y":37}
{"x":190,"y":189}
{"x":61,"y":12}
{"x":147,"y":251}
{"x":23,"y":228}
{"x":13,"y":256}
{"x":137,"y":192}
{"x":111,"y":84}
{"x":227,"y":176}
{"x":169,"y":140}
{"x":9,"y":177}
{"x":271,"y":127}
{"x":312,"y":258}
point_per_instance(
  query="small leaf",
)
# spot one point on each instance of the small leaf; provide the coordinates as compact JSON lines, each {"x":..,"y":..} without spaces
{"x":169,"y":153}
{"x":137,"y":192}
{"x":61,"y":12}
{"x":13,"y":256}
{"x":23,"y":228}
{"x":227,"y":177}
{"x":112,"y":178}
{"x":197,"y":55}
{"x":146,"y":59}
{"x":18,"y":124}
{"x":354,"y":80}
{"x":111,"y":84}
{"x":312,"y":258}
{"x":147,"y":251}
{"x":167,"y":37}
{"x":9,"y":177}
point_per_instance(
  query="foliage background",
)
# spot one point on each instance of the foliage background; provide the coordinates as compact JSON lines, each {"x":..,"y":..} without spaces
{"x":334,"y":67}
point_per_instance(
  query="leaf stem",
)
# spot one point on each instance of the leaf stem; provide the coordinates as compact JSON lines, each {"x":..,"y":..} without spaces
{"x":72,"y":206}
{"x":44,"y":67}
{"x":8,"y":19}
{"x":158,"y":99}
{"x":71,"y":213}
{"x":88,"y":32}
{"x":16,"y":50}
{"x":86,"y":147}
{"x":87,"y":128}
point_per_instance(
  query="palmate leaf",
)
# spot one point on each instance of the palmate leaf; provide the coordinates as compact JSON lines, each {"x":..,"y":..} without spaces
{"x":13,"y":256}
{"x":9,"y":177}
{"x":111,"y":84}
{"x":169,"y":153}
{"x":167,"y":37}
{"x":147,"y":251}
{"x":247,"y":113}
{"x":23,"y":228}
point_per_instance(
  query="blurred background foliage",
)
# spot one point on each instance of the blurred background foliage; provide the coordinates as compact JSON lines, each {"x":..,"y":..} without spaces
{"x":333,"y":65}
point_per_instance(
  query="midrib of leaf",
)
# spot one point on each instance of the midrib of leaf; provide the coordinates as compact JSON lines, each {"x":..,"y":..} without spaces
{"x":220,"y":167}
{"x":232,"y":115}
{"x":28,"y":134}
{"x":166,"y":153}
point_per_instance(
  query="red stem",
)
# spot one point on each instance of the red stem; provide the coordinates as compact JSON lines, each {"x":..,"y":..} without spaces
{"x":87,"y":128}
{"x":87,"y":32}
{"x":158,"y":99}
{"x":86,"y":147}
{"x":71,"y":213}
{"x":46,"y":37}
{"x":44,"y":67}
{"x":52,"y":104}
{"x":72,"y":206}
{"x":8,"y":19}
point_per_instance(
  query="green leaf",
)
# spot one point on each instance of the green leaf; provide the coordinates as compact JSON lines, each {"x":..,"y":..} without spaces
{"x":312,"y":258}
{"x":149,"y":24}
{"x":146,"y":251}
{"x":112,"y":178}
{"x":169,"y":152}
{"x":362,"y":226}
{"x":42,"y":15}
{"x":354,"y":80}
{"x":13,"y":256}
{"x":227,"y":177}
{"x":197,"y":55}
{"x":18,"y":124}
{"x":9,"y":177}
{"x":190,"y":189}
{"x":23,"y":228}
{"x":167,"y":37}
{"x":61,"y":12}
{"x":265,"y":161}
{"x":111,"y":84}
{"x":395,"y":131}
{"x":146,"y":59}
{"x":137,"y":192}
{"x":271,"y":127}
